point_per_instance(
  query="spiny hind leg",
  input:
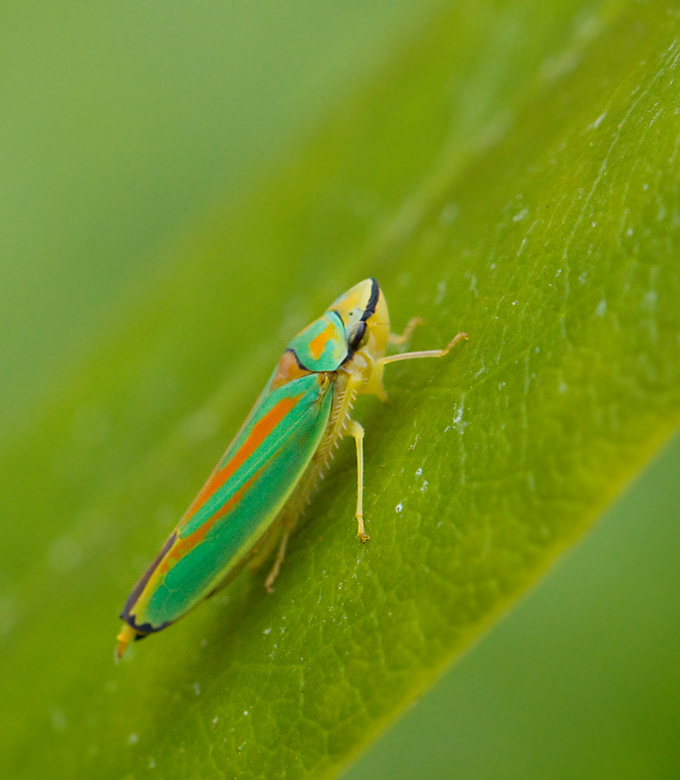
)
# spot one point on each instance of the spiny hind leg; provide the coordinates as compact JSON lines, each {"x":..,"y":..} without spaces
{"x":289,"y":522}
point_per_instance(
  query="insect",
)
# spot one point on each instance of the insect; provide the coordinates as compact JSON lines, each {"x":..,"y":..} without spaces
{"x":254,"y":497}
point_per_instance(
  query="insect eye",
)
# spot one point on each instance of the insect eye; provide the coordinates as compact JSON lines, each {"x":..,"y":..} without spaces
{"x":357,"y":336}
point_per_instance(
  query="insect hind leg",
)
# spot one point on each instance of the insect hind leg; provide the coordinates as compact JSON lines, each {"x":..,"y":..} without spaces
{"x":280,"y":557}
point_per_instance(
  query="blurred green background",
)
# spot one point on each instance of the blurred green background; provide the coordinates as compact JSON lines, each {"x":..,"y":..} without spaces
{"x":126,"y":126}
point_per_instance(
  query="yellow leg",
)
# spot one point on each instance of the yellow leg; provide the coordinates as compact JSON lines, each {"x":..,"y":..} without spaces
{"x":424,"y":354}
{"x":280,"y":557}
{"x":413,"y":323}
{"x":355,"y":430}
{"x":264,"y":549}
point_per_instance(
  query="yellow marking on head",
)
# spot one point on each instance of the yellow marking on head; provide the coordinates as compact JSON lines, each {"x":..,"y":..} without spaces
{"x":366,"y":302}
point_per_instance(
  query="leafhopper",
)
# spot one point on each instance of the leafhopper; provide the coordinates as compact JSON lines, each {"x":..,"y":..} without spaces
{"x":253,"y":499}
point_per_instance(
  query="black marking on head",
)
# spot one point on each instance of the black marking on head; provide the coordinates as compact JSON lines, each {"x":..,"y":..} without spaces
{"x":357,"y":332}
{"x":146,"y":628}
{"x":369,"y":311}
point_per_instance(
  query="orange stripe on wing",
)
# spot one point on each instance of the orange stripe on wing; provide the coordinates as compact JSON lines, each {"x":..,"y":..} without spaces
{"x":287,"y":370}
{"x":183,"y":546}
{"x":258,"y":434}
{"x":172,"y":553}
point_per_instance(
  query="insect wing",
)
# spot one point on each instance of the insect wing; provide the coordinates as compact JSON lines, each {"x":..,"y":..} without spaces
{"x":237,"y":504}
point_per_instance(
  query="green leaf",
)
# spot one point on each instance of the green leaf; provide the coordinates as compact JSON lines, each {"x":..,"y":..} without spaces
{"x":506,"y":174}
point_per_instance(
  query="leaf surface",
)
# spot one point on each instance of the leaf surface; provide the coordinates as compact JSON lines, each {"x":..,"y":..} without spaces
{"x":512,"y":179}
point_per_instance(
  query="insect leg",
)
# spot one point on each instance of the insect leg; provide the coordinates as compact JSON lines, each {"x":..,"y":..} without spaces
{"x":425,"y":353}
{"x":280,"y":556}
{"x":355,"y":430}
{"x":412,"y":324}
{"x":265,"y":547}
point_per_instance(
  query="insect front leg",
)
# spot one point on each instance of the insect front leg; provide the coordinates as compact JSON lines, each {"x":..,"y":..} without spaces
{"x":425,"y":353}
